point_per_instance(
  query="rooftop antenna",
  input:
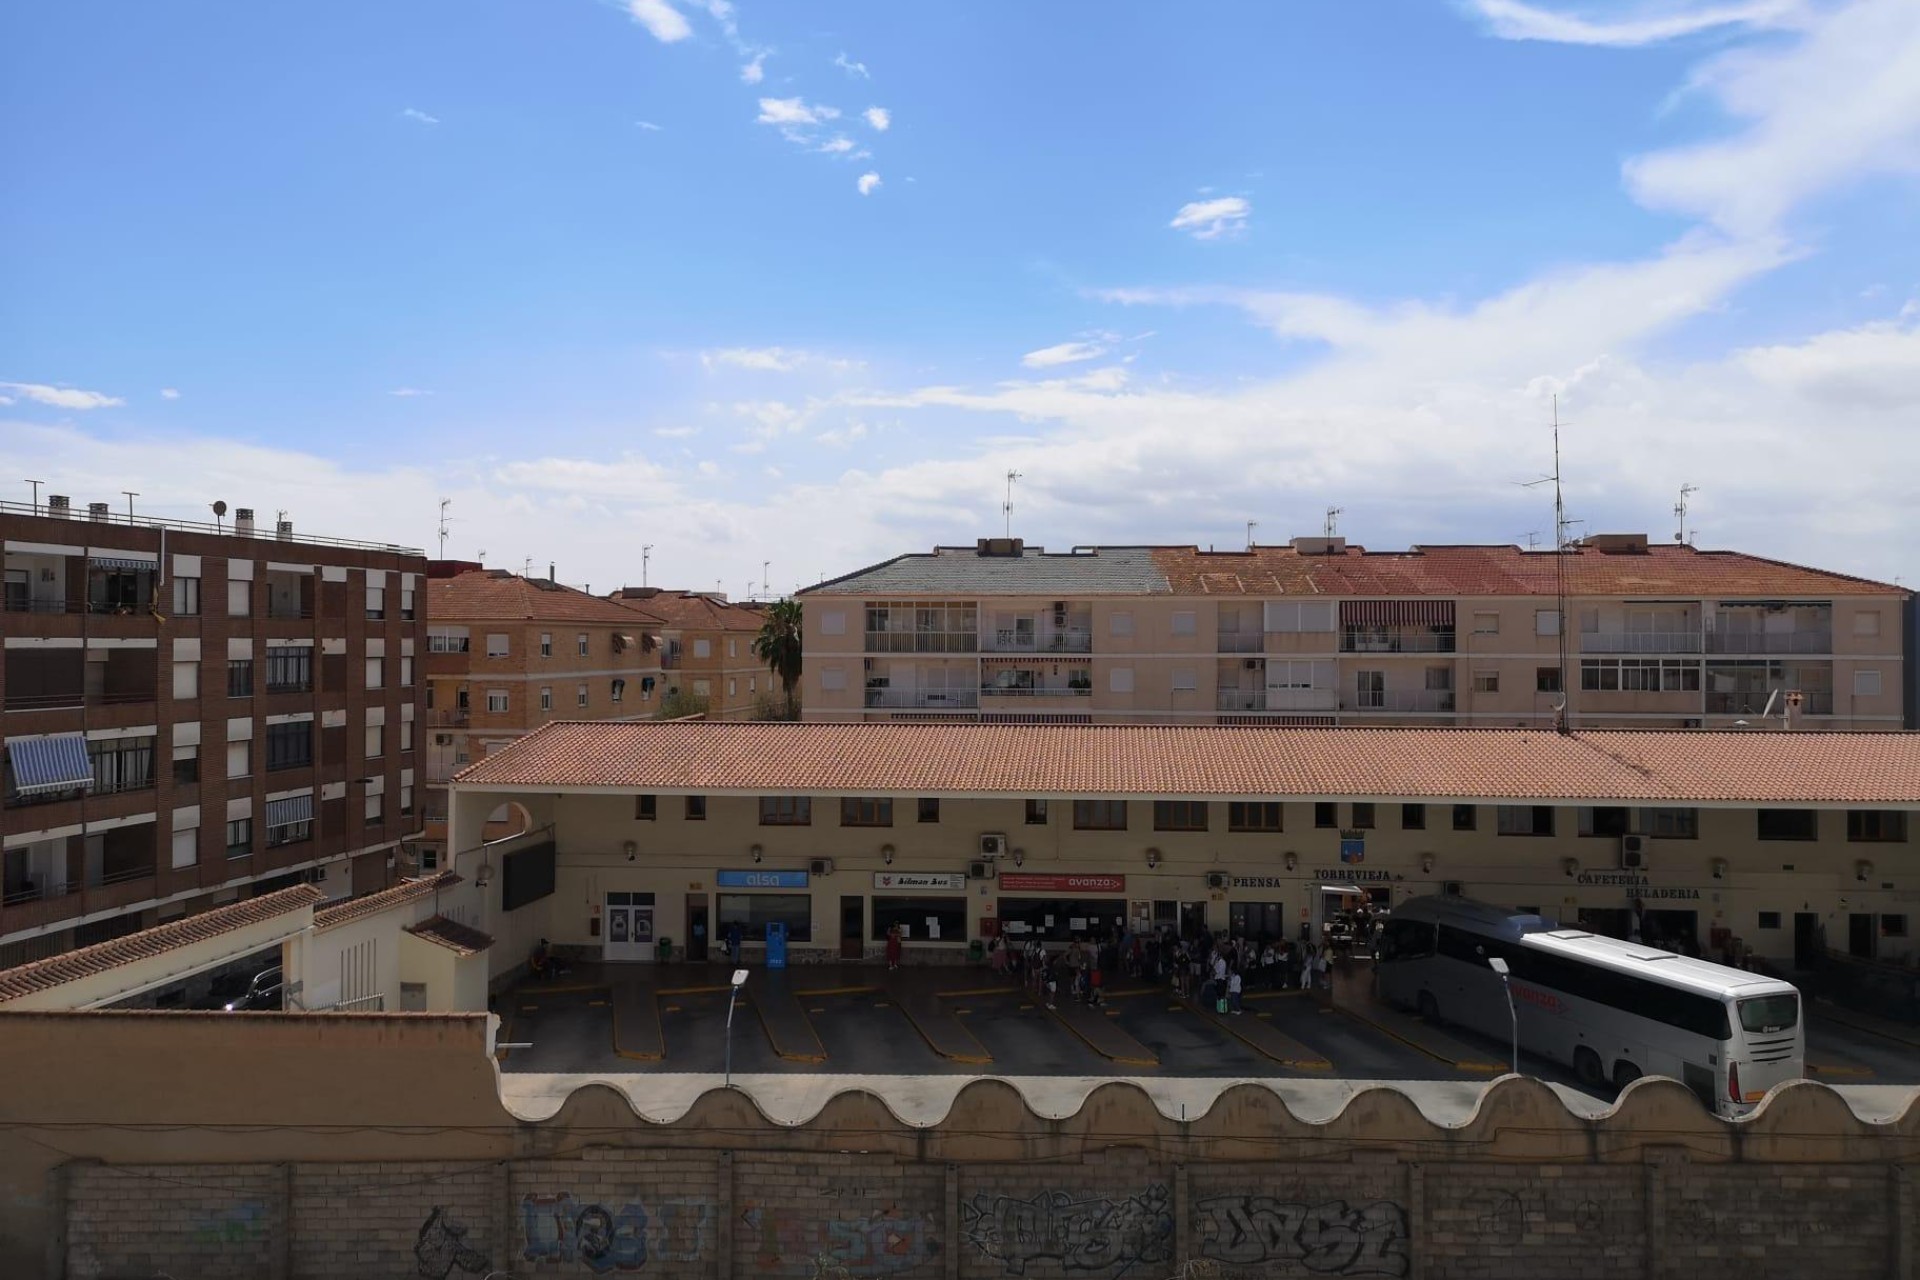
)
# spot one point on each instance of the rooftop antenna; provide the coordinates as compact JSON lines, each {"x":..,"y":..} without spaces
{"x":646,"y":554}
{"x":444,"y":504}
{"x":1680,"y":512}
{"x":1006,"y":508}
{"x":131,"y":495}
{"x":1533,"y":539}
{"x":36,"y":494}
{"x":765,"y":587}
{"x":1333,"y":521}
{"x":1560,"y":545}
{"x":219,"y":510}
{"x":1251,"y":526}
{"x":526,"y":567}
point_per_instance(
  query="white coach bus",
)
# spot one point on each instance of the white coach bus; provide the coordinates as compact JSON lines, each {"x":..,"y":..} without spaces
{"x":1612,"y":1010}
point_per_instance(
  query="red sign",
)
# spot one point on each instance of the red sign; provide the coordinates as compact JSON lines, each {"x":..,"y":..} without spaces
{"x":1030,"y":881}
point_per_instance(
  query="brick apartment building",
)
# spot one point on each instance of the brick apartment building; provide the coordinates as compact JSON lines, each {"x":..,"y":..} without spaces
{"x":1319,"y":632}
{"x":706,"y":651}
{"x":195,"y":714}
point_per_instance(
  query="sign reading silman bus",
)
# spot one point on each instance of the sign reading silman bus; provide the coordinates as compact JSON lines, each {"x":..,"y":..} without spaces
{"x":919,"y":880}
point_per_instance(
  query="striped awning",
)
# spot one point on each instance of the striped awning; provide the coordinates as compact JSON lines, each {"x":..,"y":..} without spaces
{"x":122,"y":562}
{"x":52,"y":763}
{"x":1396,"y":613}
{"x":284,"y":813}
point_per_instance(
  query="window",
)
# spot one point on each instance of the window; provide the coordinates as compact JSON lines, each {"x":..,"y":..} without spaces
{"x":753,"y":912}
{"x":1036,"y":813}
{"x":1120,"y":623}
{"x":865,"y":811}
{"x":1363,"y":816}
{"x":580,"y":696}
{"x":289,"y":746}
{"x":696,"y":810}
{"x":239,"y":598}
{"x":496,"y":701}
{"x":289,"y":833}
{"x":733,"y":648}
{"x":1291,"y":617}
{"x":1866,"y":684}
{"x":121,"y":764}
{"x":240,"y":677}
{"x":1486,"y":624}
{"x":376,"y":603}
{"x":496,"y":645}
{"x":376,"y":673}
{"x":406,"y":604}
{"x":1546,"y":680}
{"x":376,"y":741}
{"x":546,"y":697}
{"x":1605,"y":821}
{"x":1893,"y":925}
{"x":1546,"y":622}
{"x":618,"y":689}
{"x":1413,"y":817}
{"x":239,"y":837}
{"x":703,"y":648}
{"x":1254,"y":815}
{"x":1100,"y":815}
{"x":546,"y":644}
{"x":786,"y":811}
{"x":406,"y":735}
{"x":1184,"y":622}
{"x":646,"y":808}
{"x":1179,"y":815}
{"x":186,"y":680}
{"x":581,"y":639}
{"x":920,"y":919}
{"x":832,"y":679}
{"x":1671,"y":824}
{"x":929,"y":809}
{"x":1486,"y":682}
{"x":733,"y":686}
{"x":833,"y":622}
{"x":1524,"y":819}
{"x":1326,"y":814}
{"x":1769,"y":920}
{"x":406,"y":799}
{"x":186,"y":597}
{"x":447,"y":641}
{"x":1120,"y":680}
{"x":186,"y":848}
{"x":237,"y":759}
{"x":702,"y":688}
{"x":1639,"y":675}
{"x":1876,"y":826}
{"x":186,"y":766}
{"x":1465,"y":817}
{"x":376,"y":808}
{"x":1787,"y":824}
{"x":1866,"y":622}
{"x":1184,"y":680}
{"x":289,"y":669}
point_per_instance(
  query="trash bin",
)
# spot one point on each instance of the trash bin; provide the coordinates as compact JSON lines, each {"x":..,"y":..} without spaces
{"x":976,"y":952}
{"x":663,"y":950}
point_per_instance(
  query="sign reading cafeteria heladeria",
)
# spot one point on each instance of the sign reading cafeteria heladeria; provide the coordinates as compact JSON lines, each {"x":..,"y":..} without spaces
{"x":896,"y":880}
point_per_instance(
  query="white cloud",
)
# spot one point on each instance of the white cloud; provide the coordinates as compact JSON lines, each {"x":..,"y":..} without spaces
{"x":867,"y":183}
{"x":1062,"y":353}
{"x":879,"y":117}
{"x":168,"y":393}
{"x":773,"y":359}
{"x":664,"y":22}
{"x":1211,"y":219}
{"x":676,"y":433}
{"x":1622,"y":27}
{"x":755,"y":71}
{"x":63,"y":397}
{"x":841,"y":437}
{"x":790,"y":112}
{"x":649,"y":126}
{"x":418,"y":116}
{"x":409,"y":393}
{"x":839,"y":144}
{"x":851,"y":67}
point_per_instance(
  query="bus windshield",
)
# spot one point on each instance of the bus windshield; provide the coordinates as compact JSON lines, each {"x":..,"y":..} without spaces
{"x":1770,"y":1013}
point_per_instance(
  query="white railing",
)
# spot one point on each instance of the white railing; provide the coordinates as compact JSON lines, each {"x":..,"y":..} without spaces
{"x":1045,"y":640}
{"x":1770,"y":642}
{"x":1400,"y":700}
{"x":1640,"y":642}
{"x":1036,"y":691}
{"x":924,"y":699}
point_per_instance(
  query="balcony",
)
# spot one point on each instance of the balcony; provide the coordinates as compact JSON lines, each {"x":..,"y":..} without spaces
{"x":922,"y":642}
{"x":1040,"y":640}
{"x":1036,"y":691}
{"x":1640,"y":642}
{"x":923,"y":699}
{"x":1242,"y":642}
{"x":1769,"y":642}
{"x":1754,"y":703}
{"x":65,"y":700}
{"x":448,"y":717}
{"x":16,"y":603}
{"x":1398,"y":700}
{"x":1396,"y":640}
{"x":1240,"y":700}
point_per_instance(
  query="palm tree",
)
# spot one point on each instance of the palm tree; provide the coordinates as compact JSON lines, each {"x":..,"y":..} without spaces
{"x":778,"y":645}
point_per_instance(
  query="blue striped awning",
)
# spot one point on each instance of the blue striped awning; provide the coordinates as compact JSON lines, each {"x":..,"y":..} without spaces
{"x":122,"y":562}
{"x":284,"y":813}
{"x":52,"y":763}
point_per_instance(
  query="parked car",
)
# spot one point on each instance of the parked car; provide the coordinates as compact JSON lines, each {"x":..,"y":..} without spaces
{"x":262,"y":993}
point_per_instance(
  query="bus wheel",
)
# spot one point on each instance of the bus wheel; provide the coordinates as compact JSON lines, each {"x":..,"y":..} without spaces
{"x":1624,"y":1074}
{"x":1429,"y":1007}
{"x":1586,"y":1066}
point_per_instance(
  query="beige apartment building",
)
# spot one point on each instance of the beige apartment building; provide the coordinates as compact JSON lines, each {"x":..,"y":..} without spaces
{"x":706,"y":651}
{"x":507,"y":654}
{"x":1319,"y":632}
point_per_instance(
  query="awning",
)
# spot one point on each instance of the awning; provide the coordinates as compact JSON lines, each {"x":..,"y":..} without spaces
{"x":121,"y":562}
{"x":284,"y":813}
{"x":621,"y":642}
{"x":53,"y":763}
{"x":1396,"y":613}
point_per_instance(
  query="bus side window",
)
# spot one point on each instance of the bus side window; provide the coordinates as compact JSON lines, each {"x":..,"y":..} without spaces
{"x":1406,"y":940}
{"x":1458,"y":944}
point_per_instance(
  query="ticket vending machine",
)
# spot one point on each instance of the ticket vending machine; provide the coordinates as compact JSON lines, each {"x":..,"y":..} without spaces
{"x":776,"y":944}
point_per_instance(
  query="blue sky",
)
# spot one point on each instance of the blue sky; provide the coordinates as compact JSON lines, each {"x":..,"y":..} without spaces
{"x":800,"y":282}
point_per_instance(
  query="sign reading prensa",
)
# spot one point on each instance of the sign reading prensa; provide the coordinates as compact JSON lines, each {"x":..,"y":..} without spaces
{"x":1036,"y":881}
{"x":760,"y":879}
{"x":919,"y":880}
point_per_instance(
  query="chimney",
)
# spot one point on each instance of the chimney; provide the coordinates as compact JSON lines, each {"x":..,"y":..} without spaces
{"x":58,"y":504}
{"x":284,"y":531}
{"x":97,"y":511}
{"x":243,"y":521}
{"x":551,"y":575}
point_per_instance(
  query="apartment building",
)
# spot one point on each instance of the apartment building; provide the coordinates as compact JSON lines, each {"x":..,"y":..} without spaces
{"x":195,"y":714}
{"x":507,"y":654}
{"x":706,"y":651}
{"x":1318,"y":632}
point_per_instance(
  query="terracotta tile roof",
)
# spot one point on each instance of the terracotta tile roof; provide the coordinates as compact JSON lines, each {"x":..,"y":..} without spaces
{"x":371,"y":904}
{"x":494,"y":595}
{"x":964,"y":571}
{"x":1681,"y":766}
{"x":56,"y":971}
{"x":451,"y":934}
{"x":689,"y":610}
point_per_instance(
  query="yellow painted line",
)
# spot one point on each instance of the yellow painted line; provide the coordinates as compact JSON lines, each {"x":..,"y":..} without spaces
{"x":1838,"y":1069}
{"x":506,"y":1034}
{"x":960,"y":1011}
{"x":568,"y":988}
{"x":977,"y":992}
{"x":613,"y":1021}
{"x":1126,"y":1062}
{"x":670,"y":1008}
{"x":881,"y":1004}
{"x":692,"y":991}
{"x":815,"y":993}
{"x":1391,"y":1034}
{"x":529,"y":1008}
{"x":1225,"y":1023}
{"x":598,"y":1004}
{"x":1285,"y":993}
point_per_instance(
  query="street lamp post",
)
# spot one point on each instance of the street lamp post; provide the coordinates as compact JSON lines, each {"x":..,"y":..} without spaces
{"x":733,"y":993}
{"x":1499,"y":966}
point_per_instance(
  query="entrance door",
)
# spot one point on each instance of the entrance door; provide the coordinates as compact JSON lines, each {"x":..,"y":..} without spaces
{"x":1860,"y":935}
{"x":1806,"y":939}
{"x":1193,"y":920}
{"x":697,"y":927}
{"x":1608,"y":922}
{"x":629,"y":927}
{"x":853,"y":927}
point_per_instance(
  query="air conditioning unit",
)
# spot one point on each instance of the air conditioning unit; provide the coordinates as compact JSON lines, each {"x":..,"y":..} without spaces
{"x":1453,"y":888}
{"x":1633,"y":853}
{"x":979,"y":871}
{"x":1692,"y":722}
{"x":993,"y":846}
{"x":1218,"y":880}
{"x":820,"y":867}
{"x":1253,"y":664}
{"x":442,"y":739}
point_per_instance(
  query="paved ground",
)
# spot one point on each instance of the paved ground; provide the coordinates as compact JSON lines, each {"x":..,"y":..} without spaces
{"x":568,"y":1029}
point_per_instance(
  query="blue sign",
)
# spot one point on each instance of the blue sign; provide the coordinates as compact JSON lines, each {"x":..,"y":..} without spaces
{"x":1353,"y":849}
{"x":760,"y":879}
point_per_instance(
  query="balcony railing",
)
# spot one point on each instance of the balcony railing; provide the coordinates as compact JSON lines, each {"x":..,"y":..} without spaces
{"x":32,"y":890}
{"x":1036,"y":691}
{"x":1754,"y":703}
{"x":198,"y":526}
{"x":1352,"y":641}
{"x":1770,"y":642}
{"x":115,"y":786}
{"x":17,"y":604}
{"x":922,"y":642}
{"x":448,"y":717}
{"x":1238,"y":700}
{"x":1400,"y":700}
{"x":924,"y":699}
{"x":1014,"y":640}
{"x":1242,"y":642}
{"x":293,"y":611}
{"x":55,"y":701}
{"x":101,"y":879}
{"x":1640,"y":642}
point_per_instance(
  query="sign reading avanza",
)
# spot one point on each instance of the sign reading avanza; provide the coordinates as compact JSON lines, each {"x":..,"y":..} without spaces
{"x":919,"y":880}
{"x":1031,"y":881}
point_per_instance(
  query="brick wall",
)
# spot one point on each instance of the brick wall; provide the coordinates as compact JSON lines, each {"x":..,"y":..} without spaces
{"x":1116,"y":1212}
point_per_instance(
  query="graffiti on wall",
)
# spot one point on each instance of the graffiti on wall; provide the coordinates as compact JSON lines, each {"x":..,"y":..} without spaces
{"x":560,"y":1229}
{"x":885,"y":1242}
{"x":238,"y":1224}
{"x":1330,"y":1238}
{"x":441,"y":1248}
{"x":1075,"y":1233}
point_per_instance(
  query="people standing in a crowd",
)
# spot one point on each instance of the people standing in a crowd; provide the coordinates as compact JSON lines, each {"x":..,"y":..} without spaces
{"x":1233,"y":991}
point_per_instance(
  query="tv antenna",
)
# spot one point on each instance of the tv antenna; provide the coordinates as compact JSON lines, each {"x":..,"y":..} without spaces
{"x":1333,"y":521}
{"x":1680,"y":511}
{"x":131,"y":495}
{"x":219,"y":510}
{"x":445,"y":520}
{"x":646,"y":554}
{"x":36,"y":494}
{"x":1533,"y":539}
{"x":765,"y":587}
{"x":1006,"y":508}
{"x":526,"y":567}
{"x":1251,"y":526}
{"x":1560,"y":545}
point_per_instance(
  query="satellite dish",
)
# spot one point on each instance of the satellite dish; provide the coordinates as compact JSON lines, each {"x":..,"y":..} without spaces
{"x":219,"y":508}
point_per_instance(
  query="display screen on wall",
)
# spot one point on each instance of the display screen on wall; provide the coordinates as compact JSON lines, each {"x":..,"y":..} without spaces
{"x":526,"y":875}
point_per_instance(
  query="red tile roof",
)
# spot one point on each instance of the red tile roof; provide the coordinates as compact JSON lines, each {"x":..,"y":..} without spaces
{"x":373,"y":903}
{"x":56,"y":971}
{"x":1663,"y":570}
{"x":1681,"y":766}
{"x":494,"y":595}
{"x":451,"y":934}
{"x":689,"y":610}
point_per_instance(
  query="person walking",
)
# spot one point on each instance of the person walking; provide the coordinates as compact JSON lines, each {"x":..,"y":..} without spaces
{"x":894,"y":947}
